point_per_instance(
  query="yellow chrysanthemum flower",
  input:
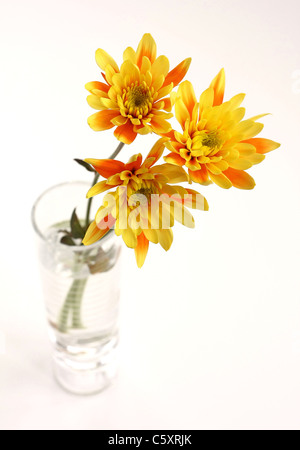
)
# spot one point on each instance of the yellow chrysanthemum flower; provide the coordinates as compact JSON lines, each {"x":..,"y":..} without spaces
{"x":134,"y":98}
{"x":144,"y":206}
{"x":216,"y":145}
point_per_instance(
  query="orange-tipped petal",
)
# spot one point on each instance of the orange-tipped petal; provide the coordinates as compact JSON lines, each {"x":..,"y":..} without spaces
{"x":263,"y":145}
{"x":106,"y":167}
{"x":102,"y":120}
{"x":181,"y":112}
{"x":167,"y":104}
{"x":240,"y":179}
{"x":106,"y":223}
{"x":187,"y":94}
{"x":125,"y":133}
{"x":97,"y":85}
{"x":156,"y":151}
{"x":119,"y":120}
{"x":146,"y":47}
{"x":178,"y":73}
{"x":134,"y":163}
{"x":174,"y":158}
{"x":159,"y":125}
{"x":200,"y":176}
{"x":218,"y":85}
{"x":141,"y":249}
{"x":94,"y":234}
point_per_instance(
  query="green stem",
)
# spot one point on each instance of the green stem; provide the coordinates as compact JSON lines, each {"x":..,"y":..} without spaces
{"x":71,"y":305}
{"x":73,"y":302}
{"x":117,"y":151}
{"x":88,"y":211}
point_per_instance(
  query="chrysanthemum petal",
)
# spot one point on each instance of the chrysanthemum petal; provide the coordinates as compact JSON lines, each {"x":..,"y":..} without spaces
{"x":222,"y":165}
{"x":103,"y":59}
{"x":143,"y":130}
{"x":200,"y":176}
{"x":181,"y":112}
{"x":109,"y":73}
{"x":165,"y":238}
{"x":174,"y":158}
{"x":213,"y":168}
{"x":109,"y":104}
{"x":160,"y":67}
{"x":195,"y":200}
{"x":129,"y":238}
{"x":183,"y":216}
{"x":263,"y":145}
{"x":187,"y":94}
{"x":259,"y":116}
{"x":240,"y":164}
{"x":218,"y":85}
{"x":141,"y":249}
{"x":236,"y":101}
{"x":98,"y":188}
{"x":156,"y":152}
{"x":246,"y":129}
{"x":167,"y":104}
{"x":206,"y":99}
{"x":129,"y":72}
{"x":97,"y":85}
{"x":134,"y":162}
{"x":256,"y":158}
{"x":130,"y":54}
{"x":175,"y":174}
{"x":146,"y":67}
{"x":159,"y":125}
{"x":221,"y":180}
{"x":245,"y":149}
{"x":178,"y":73}
{"x":94,"y":234}
{"x":240,"y":179}
{"x":106,"y":167}
{"x":157,"y":83}
{"x":95,"y":102}
{"x":146,"y":47}
{"x":164,"y":91}
{"x":125,"y":133}
{"x":102,"y":120}
{"x":151,"y":235}
{"x":119,"y":120}
{"x":236,"y":116}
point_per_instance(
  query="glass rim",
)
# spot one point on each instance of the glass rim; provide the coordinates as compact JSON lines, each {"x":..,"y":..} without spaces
{"x":41,"y":234}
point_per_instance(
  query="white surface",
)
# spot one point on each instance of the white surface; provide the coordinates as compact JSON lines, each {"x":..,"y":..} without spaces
{"x":210,"y":330}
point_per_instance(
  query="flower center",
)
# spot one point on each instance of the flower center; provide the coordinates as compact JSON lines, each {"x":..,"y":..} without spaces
{"x":147,"y":192}
{"x":137,"y":99}
{"x":212,"y":140}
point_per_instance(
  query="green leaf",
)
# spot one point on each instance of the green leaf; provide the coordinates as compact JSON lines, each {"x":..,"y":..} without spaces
{"x":76,"y":229}
{"x":67,"y":240}
{"x":85,"y":165}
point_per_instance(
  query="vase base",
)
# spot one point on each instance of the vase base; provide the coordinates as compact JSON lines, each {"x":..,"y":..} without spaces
{"x":82,"y":375}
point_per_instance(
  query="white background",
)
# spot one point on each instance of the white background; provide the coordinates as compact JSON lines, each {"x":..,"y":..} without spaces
{"x":210,"y":330}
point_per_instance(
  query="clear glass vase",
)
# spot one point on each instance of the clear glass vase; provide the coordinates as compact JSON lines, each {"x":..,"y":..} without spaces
{"x":81,"y":291}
